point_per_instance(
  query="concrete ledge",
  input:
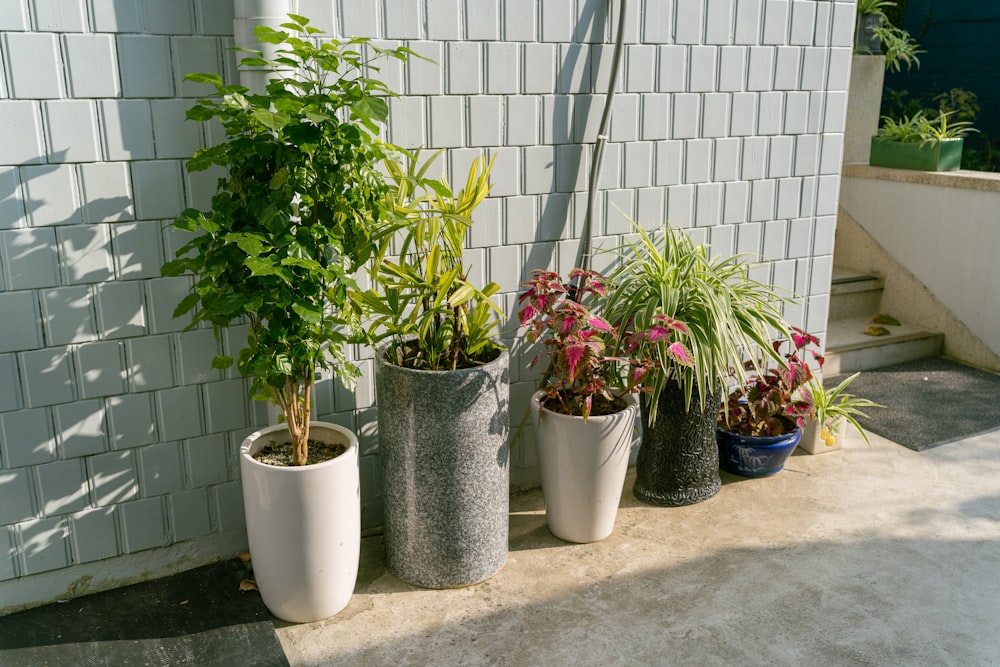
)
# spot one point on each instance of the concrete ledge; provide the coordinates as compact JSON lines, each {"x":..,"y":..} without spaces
{"x":984,"y":181}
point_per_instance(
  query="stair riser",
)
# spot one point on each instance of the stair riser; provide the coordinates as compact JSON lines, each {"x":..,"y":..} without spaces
{"x":855,"y":304}
{"x":879,"y":355}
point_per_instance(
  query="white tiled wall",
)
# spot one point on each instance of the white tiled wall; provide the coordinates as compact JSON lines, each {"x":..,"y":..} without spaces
{"x":116,"y":437}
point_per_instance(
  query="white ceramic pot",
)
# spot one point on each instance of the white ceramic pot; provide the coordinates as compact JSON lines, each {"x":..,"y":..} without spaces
{"x":812,"y":443}
{"x":583,"y":466}
{"x":303,"y":525}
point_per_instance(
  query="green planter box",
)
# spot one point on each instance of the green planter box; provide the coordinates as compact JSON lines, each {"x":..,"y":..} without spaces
{"x":944,"y":155}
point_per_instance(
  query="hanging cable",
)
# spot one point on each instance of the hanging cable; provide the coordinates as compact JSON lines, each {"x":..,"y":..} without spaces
{"x":587,"y":233}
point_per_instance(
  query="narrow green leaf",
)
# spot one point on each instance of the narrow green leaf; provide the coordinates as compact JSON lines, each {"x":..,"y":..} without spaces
{"x":204,"y":77}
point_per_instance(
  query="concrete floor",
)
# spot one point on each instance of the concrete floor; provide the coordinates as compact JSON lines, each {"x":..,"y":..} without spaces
{"x":864,"y":556}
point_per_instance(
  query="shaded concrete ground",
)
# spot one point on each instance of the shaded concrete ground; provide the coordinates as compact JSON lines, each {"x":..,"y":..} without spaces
{"x":865,"y":556}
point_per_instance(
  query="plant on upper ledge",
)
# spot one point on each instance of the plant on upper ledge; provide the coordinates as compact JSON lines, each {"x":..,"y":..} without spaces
{"x":876,"y":34}
{"x":920,"y":142}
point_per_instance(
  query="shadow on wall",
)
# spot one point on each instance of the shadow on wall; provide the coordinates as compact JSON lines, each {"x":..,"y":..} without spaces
{"x":573,"y":116}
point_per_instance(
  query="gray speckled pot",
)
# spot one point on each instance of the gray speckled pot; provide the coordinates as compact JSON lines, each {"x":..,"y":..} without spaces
{"x":443,"y":458}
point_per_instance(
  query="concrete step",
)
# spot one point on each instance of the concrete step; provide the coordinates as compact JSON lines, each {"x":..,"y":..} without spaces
{"x":854,"y":294}
{"x":848,"y":349}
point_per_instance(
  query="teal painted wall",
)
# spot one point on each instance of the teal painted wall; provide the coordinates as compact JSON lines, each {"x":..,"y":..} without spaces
{"x":962,"y":43}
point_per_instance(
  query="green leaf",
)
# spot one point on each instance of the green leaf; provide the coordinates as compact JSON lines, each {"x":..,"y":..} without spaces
{"x":308,"y":312}
{"x":200,"y":113}
{"x":204,"y":77}
{"x":461,"y":295}
{"x":371,"y":107}
{"x":259,"y":266}
{"x":173,"y":268}
{"x":269,"y":35}
{"x":279,"y":179}
{"x":271,"y":120}
{"x":249,"y":244}
{"x":186,"y":304}
{"x":222,"y":362}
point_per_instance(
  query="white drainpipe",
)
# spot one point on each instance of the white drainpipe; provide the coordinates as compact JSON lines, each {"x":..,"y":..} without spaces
{"x":248,"y":14}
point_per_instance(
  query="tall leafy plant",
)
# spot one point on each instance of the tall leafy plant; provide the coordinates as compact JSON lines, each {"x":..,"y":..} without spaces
{"x":298,"y":210}
{"x":422,"y":300}
{"x":727,"y":313}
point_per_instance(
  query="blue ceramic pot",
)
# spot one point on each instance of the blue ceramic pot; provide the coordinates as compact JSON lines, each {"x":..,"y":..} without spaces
{"x":751,"y":456}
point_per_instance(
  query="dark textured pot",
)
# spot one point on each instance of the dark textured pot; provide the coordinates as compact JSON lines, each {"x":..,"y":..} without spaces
{"x":865,"y":39}
{"x":751,"y":456}
{"x":678,"y":462}
{"x":443,"y":459}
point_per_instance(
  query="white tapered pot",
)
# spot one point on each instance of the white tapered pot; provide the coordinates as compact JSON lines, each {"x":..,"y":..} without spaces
{"x":583,"y":466}
{"x":303,"y":525}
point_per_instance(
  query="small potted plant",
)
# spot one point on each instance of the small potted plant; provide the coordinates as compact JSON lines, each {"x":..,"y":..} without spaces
{"x":920,"y":142}
{"x":760,"y":423}
{"x":833,"y":410}
{"x":875,"y":34}
{"x":293,"y":217}
{"x":726,"y":313}
{"x":442,"y":386}
{"x":584,"y":415}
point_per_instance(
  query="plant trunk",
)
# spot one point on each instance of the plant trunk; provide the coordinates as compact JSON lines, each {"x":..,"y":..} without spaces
{"x":296,"y":411}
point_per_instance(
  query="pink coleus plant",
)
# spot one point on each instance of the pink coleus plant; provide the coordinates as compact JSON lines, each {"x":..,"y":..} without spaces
{"x":777,"y":400}
{"x":583,"y":378}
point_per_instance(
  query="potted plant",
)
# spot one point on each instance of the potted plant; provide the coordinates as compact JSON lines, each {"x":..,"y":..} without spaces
{"x":584,"y":415}
{"x":442,"y":387}
{"x":868,"y":66}
{"x":920,"y":142}
{"x":833,"y":410}
{"x":760,"y":423}
{"x":875,"y":34}
{"x":292,"y":218}
{"x":726,"y":313}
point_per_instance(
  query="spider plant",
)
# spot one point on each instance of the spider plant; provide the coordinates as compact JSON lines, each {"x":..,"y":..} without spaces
{"x":728,"y":314}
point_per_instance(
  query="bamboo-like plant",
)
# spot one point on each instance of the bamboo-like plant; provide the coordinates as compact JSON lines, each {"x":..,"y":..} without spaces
{"x":728,"y":314}
{"x":422,"y":300}
{"x":296,"y":213}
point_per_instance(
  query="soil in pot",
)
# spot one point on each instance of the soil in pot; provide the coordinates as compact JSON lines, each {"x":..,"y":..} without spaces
{"x":275,"y":454}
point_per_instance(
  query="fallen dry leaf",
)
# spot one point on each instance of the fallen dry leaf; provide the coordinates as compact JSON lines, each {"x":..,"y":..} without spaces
{"x":245,"y":556}
{"x":183,"y":602}
{"x":248,"y":585}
